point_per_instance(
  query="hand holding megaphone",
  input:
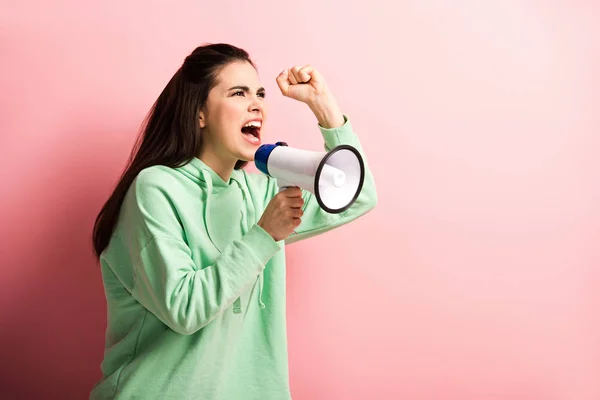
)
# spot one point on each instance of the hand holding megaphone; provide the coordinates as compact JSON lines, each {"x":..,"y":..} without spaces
{"x":283,"y":213}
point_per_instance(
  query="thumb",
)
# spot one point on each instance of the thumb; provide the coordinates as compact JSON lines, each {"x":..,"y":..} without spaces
{"x":282,"y":81}
{"x":314,"y":76}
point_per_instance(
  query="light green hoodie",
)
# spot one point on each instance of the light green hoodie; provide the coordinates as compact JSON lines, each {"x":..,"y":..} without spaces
{"x":195,"y":289}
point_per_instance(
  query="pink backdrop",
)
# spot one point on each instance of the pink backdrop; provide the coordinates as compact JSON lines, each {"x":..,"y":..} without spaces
{"x":477,"y":275}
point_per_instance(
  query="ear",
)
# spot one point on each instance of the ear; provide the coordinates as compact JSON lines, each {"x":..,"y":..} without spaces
{"x":202,"y":119}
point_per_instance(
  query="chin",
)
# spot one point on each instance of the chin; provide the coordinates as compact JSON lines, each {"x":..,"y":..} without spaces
{"x":247,"y":158}
{"x":245,"y":155}
{"x":246,"y":152}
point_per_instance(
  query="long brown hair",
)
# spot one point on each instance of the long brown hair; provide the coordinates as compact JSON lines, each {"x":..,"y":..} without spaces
{"x":170,"y":133}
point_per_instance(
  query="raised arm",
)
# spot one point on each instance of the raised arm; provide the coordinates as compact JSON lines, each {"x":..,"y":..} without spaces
{"x":316,"y":220}
{"x":305,"y":84}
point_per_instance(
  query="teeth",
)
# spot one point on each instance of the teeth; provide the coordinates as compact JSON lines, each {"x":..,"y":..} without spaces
{"x":255,"y":124}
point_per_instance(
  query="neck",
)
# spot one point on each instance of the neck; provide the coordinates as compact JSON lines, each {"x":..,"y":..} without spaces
{"x":221,"y":167}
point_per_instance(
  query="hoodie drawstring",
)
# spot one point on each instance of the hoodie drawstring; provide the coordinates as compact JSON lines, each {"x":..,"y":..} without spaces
{"x":248,"y":221}
{"x":209,"y":188}
{"x":237,"y":305}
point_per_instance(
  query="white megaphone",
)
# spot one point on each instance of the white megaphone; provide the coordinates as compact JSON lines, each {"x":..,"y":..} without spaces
{"x":335,"y":177}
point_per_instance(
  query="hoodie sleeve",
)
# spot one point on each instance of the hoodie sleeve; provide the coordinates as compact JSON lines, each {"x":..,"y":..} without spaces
{"x":315,"y":220}
{"x":168,"y":281}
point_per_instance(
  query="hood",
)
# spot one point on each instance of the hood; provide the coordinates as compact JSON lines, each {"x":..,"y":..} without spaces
{"x":200,"y":173}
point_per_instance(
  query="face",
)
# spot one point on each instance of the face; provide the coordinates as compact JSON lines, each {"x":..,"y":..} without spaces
{"x":233,"y":116}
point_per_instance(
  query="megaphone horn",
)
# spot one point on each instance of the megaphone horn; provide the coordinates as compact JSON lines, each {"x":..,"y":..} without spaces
{"x":335,"y":177}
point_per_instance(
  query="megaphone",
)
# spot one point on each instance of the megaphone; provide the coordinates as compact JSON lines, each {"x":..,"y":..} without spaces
{"x":335,"y":177}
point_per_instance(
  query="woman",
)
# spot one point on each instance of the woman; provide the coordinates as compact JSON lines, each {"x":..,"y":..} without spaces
{"x":191,"y":246}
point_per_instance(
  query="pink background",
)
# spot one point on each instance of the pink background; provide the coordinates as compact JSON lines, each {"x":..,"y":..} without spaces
{"x":477,"y":275}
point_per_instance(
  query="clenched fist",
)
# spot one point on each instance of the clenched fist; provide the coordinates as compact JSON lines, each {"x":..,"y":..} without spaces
{"x":307,"y":85}
{"x":302,"y":83}
{"x":283,"y":213}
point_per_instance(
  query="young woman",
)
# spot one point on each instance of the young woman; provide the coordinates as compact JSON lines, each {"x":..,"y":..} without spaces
{"x":192,"y":247}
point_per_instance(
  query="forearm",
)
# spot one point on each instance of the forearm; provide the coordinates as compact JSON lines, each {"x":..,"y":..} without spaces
{"x":316,"y":220}
{"x":327,"y":111}
{"x":187,"y":297}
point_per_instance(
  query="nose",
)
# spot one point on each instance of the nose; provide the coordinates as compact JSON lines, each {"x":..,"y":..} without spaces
{"x":255,"y":104}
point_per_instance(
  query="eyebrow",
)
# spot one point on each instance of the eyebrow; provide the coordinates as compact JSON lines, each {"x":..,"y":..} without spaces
{"x":246,"y":88}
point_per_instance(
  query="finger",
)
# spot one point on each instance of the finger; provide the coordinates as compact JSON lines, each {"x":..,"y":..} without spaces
{"x":293,"y":191}
{"x":296,"y":202}
{"x":282,"y":81}
{"x":293,"y":76}
{"x":292,"y":213}
{"x":297,"y":75}
{"x":305,"y":73}
{"x":316,"y":78}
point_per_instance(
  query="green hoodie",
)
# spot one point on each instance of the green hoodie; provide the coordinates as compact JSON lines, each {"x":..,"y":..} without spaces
{"x":195,"y":289}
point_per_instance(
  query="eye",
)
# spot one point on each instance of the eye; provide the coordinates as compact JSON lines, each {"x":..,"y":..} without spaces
{"x":239,"y":92}
{"x":261,"y":94}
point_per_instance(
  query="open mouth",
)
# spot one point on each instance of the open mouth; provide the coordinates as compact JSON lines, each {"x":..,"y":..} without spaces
{"x":251,"y":131}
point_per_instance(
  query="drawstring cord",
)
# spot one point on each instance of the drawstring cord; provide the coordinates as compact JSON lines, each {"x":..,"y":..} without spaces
{"x":248,"y":219}
{"x":237,"y":305}
{"x":209,"y":187}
